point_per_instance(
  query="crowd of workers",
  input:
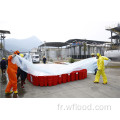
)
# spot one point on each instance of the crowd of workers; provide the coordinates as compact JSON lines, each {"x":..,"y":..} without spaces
{"x":14,"y":72}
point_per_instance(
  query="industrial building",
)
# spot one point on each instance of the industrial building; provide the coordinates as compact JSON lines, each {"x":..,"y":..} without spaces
{"x":74,"y":48}
{"x":115,"y":37}
{"x":113,"y":52}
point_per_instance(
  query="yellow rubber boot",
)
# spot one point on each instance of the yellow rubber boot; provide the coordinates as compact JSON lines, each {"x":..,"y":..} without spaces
{"x":95,"y":81}
{"x":104,"y":83}
{"x":16,"y":92}
{"x":9,"y":92}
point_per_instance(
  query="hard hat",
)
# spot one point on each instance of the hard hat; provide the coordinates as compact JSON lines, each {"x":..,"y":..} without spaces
{"x":98,"y":54}
{"x":17,"y":52}
{"x":21,"y":55}
{"x":3,"y":58}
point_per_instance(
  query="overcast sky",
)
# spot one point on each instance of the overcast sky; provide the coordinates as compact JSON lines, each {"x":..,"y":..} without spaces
{"x":59,"y":20}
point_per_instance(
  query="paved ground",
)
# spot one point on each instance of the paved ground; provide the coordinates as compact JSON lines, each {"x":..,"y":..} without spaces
{"x":77,"y":89}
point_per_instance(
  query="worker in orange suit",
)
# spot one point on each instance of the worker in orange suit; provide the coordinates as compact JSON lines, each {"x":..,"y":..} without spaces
{"x":12,"y":74}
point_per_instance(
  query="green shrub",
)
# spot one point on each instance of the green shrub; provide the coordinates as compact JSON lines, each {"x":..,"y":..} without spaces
{"x":71,"y":60}
{"x":51,"y":60}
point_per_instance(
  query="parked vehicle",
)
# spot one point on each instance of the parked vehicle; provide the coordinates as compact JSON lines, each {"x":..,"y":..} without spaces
{"x":35,"y":58}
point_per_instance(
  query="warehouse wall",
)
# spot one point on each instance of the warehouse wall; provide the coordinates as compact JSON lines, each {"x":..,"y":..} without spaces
{"x":76,"y":52}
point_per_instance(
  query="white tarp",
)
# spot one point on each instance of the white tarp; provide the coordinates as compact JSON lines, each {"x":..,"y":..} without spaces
{"x":55,"y":69}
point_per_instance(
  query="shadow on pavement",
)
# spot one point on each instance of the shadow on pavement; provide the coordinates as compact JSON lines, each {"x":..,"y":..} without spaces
{"x":21,"y":91}
{"x":8,"y":96}
{"x":15,"y":96}
{"x":12,"y":96}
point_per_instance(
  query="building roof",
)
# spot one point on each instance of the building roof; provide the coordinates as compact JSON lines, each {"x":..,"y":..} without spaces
{"x":84,"y":40}
{"x":60,"y":44}
{"x":115,"y":29}
{"x":54,"y":44}
{"x":4,"y":31}
{"x":115,"y":37}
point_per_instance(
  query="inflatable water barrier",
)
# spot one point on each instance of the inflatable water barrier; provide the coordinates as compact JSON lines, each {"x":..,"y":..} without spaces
{"x":57,"y":79}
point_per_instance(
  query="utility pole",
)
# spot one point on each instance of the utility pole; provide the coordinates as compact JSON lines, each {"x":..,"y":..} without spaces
{"x":2,"y":38}
{"x":45,"y":47}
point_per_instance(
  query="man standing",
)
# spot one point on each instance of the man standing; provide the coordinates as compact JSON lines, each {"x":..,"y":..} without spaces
{"x":100,"y":69}
{"x":3,"y":65}
{"x":12,"y":72}
{"x":44,"y":60}
{"x":92,"y":54}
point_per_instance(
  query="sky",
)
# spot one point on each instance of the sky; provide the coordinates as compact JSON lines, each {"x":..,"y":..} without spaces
{"x":59,"y":20}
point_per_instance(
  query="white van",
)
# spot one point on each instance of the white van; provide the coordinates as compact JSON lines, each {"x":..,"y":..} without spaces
{"x":35,"y":58}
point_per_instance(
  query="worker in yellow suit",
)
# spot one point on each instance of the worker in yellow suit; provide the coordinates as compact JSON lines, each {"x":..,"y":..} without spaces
{"x":101,"y":69}
{"x":12,"y":71}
